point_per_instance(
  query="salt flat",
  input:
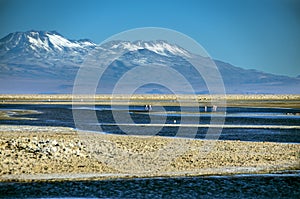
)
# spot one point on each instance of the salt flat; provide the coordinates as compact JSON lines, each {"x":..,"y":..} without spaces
{"x":287,"y":101}
{"x":59,"y":153}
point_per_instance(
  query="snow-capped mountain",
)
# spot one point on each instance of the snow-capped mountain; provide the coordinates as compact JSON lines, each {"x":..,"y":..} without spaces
{"x":159,"y":47}
{"x":42,"y":47}
{"x":47,"y":62}
{"x":38,"y":40}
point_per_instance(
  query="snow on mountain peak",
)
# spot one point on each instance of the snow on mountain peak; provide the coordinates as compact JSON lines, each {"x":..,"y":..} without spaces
{"x":60,"y":42}
{"x":53,"y":42}
{"x":53,"y":48}
{"x":42,"y":40}
{"x":36,"y":42}
{"x":160,"y":47}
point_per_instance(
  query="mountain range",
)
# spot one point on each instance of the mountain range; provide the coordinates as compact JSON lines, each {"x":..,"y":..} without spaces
{"x":47,"y":62}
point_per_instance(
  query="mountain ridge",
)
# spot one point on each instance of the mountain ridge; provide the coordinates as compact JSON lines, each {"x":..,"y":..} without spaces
{"x":33,"y":55}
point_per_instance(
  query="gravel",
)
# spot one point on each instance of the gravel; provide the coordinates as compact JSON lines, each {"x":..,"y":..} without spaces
{"x":41,"y":153}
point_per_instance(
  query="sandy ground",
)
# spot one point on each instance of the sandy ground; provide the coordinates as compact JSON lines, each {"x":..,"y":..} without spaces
{"x":56,"y":153}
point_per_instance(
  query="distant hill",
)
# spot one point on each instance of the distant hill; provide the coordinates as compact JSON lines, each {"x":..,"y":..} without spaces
{"x":47,"y":62}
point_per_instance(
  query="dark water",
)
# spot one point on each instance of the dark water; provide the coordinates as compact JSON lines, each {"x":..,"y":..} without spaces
{"x":61,"y":115}
{"x":251,"y":186}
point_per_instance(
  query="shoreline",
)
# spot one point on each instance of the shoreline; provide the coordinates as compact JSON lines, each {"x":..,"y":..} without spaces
{"x":225,"y":172}
{"x":231,"y":100}
{"x":33,"y":153}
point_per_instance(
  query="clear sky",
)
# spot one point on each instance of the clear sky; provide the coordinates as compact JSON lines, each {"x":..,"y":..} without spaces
{"x":258,"y":34}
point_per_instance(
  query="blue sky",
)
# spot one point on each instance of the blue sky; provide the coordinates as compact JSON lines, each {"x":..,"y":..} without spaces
{"x":258,"y":34}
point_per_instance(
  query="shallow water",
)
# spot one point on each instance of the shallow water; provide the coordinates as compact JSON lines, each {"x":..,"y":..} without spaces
{"x":246,"y":124}
{"x":240,"y":186}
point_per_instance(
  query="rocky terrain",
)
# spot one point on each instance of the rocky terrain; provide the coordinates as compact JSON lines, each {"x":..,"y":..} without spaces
{"x":23,"y":153}
{"x":51,"y":153}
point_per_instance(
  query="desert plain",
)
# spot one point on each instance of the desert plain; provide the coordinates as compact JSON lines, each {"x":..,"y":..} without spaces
{"x":44,"y":153}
